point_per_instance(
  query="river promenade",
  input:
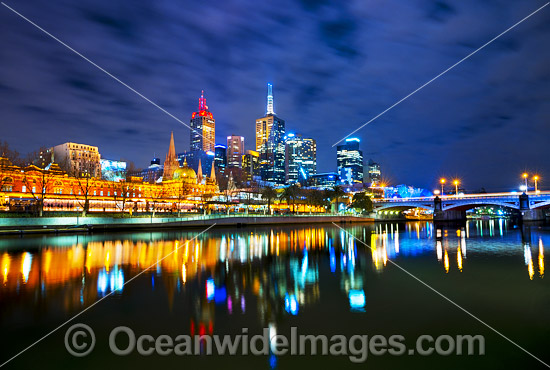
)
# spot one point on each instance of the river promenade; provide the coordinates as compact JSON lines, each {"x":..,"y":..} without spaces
{"x":42,"y":225}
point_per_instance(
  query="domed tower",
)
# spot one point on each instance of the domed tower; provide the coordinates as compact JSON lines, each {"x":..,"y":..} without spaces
{"x":185,"y":173}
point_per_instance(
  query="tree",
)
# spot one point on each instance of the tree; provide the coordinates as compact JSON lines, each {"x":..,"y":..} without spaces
{"x":290,"y":194}
{"x":337,"y":193}
{"x":83,"y":188}
{"x":269,"y":194}
{"x":157,"y":192}
{"x":39,"y":187}
{"x":362,"y":202}
{"x":11,"y":154}
{"x":121,"y":194}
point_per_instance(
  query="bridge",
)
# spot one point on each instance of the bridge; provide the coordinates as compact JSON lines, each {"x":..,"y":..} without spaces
{"x":531,"y":206}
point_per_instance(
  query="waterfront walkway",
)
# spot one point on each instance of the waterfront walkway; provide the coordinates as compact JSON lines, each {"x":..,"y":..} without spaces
{"x":36,"y":225}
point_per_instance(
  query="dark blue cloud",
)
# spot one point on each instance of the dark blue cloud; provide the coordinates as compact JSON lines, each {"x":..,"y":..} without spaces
{"x":334,"y":65}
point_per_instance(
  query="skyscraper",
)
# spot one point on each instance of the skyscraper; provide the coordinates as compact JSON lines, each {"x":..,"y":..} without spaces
{"x":374,"y":173}
{"x":235,"y":150}
{"x":300,"y":158}
{"x":270,"y":132}
{"x":220,"y":157}
{"x":251,"y":164}
{"x":203,"y":128}
{"x":350,"y":161}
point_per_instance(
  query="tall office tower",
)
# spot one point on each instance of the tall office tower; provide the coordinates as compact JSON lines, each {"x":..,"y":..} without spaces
{"x":171,"y":163}
{"x":220,"y":157}
{"x":251,"y":164}
{"x":235,"y":150}
{"x":203,"y":128}
{"x":350,"y":161}
{"x":374,"y":173}
{"x":300,"y":158}
{"x":270,"y":132}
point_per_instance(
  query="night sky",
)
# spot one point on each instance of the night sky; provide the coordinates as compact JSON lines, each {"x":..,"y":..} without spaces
{"x":333,"y":66}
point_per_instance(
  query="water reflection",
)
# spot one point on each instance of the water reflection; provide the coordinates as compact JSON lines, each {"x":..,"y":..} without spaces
{"x":279,"y":267}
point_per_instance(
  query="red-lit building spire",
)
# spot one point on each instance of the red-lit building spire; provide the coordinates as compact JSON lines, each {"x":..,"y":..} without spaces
{"x":202,"y":102}
{"x":203,"y":108}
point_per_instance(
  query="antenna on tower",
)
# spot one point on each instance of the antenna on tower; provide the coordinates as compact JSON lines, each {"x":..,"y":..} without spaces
{"x":202,"y":102}
{"x":270,"y":99}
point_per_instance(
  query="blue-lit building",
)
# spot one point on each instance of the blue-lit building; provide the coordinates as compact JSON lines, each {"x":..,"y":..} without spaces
{"x":349,"y":159}
{"x":326,"y":180}
{"x":220,"y":157}
{"x":152,"y":173}
{"x":300,"y":158}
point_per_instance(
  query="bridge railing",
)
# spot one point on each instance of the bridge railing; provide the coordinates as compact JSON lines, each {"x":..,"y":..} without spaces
{"x":542,"y":194}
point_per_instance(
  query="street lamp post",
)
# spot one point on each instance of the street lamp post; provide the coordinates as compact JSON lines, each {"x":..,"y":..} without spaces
{"x":525,"y":176}
{"x":536,"y":179}
{"x":456,"y":187}
{"x":442,"y":181}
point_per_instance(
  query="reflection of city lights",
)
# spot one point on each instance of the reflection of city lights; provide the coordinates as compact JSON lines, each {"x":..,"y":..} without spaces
{"x":26,"y":264}
{"x":183,"y":273}
{"x":541,"y":258}
{"x":332,"y":259}
{"x":439,"y":250}
{"x":210,"y":288}
{"x":529,"y":261}
{"x":446,"y":261}
{"x":291,"y":304}
{"x":5,"y":266}
{"x":459,"y":259}
{"x":357,"y":300}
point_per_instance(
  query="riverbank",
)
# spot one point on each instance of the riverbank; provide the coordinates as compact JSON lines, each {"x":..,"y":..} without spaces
{"x":49,"y":225}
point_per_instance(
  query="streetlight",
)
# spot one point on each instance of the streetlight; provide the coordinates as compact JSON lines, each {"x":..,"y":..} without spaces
{"x":456,"y":182}
{"x":536,"y":178}
{"x":436,"y":192}
{"x":525,"y":176}
{"x":442,"y":181}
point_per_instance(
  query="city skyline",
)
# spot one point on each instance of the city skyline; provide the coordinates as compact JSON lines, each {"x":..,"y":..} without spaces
{"x":463,"y":126}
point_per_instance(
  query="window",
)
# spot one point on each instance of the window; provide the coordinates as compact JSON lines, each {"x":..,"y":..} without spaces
{"x":23,"y":189}
{"x":94,"y":192}
{"x":101,"y":193}
{"x":34,"y":189}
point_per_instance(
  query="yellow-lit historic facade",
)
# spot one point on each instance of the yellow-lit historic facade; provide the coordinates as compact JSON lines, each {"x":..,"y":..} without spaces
{"x":26,"y":188}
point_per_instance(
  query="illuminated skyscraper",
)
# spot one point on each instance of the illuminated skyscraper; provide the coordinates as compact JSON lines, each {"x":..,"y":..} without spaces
{"x":270,"y":132}
{"x":235,"y":150}
{"x":251,"y":164}
{"x":374,"y":173}
{"x":203,"y":128}
{"x":220,"y":157}
{"x":300,"y":158}
{"x":350,"y":161}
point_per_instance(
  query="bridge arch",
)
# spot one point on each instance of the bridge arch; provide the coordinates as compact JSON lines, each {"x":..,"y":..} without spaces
{"x":403,"y":206}
{"x":467,"y":205}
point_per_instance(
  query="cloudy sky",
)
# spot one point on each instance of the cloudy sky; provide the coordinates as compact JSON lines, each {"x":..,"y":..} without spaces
{"x":334,"y":65}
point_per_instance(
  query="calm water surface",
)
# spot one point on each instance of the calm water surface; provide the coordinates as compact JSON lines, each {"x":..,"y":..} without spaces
{"x":316,"y":278}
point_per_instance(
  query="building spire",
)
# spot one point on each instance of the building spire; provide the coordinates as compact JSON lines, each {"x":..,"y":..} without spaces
{"x":213,"y":173}
{"x":199,"y":172}
{"x":202,"y":102}
{"x":270,"y":99}
{"x":172,"y":148}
